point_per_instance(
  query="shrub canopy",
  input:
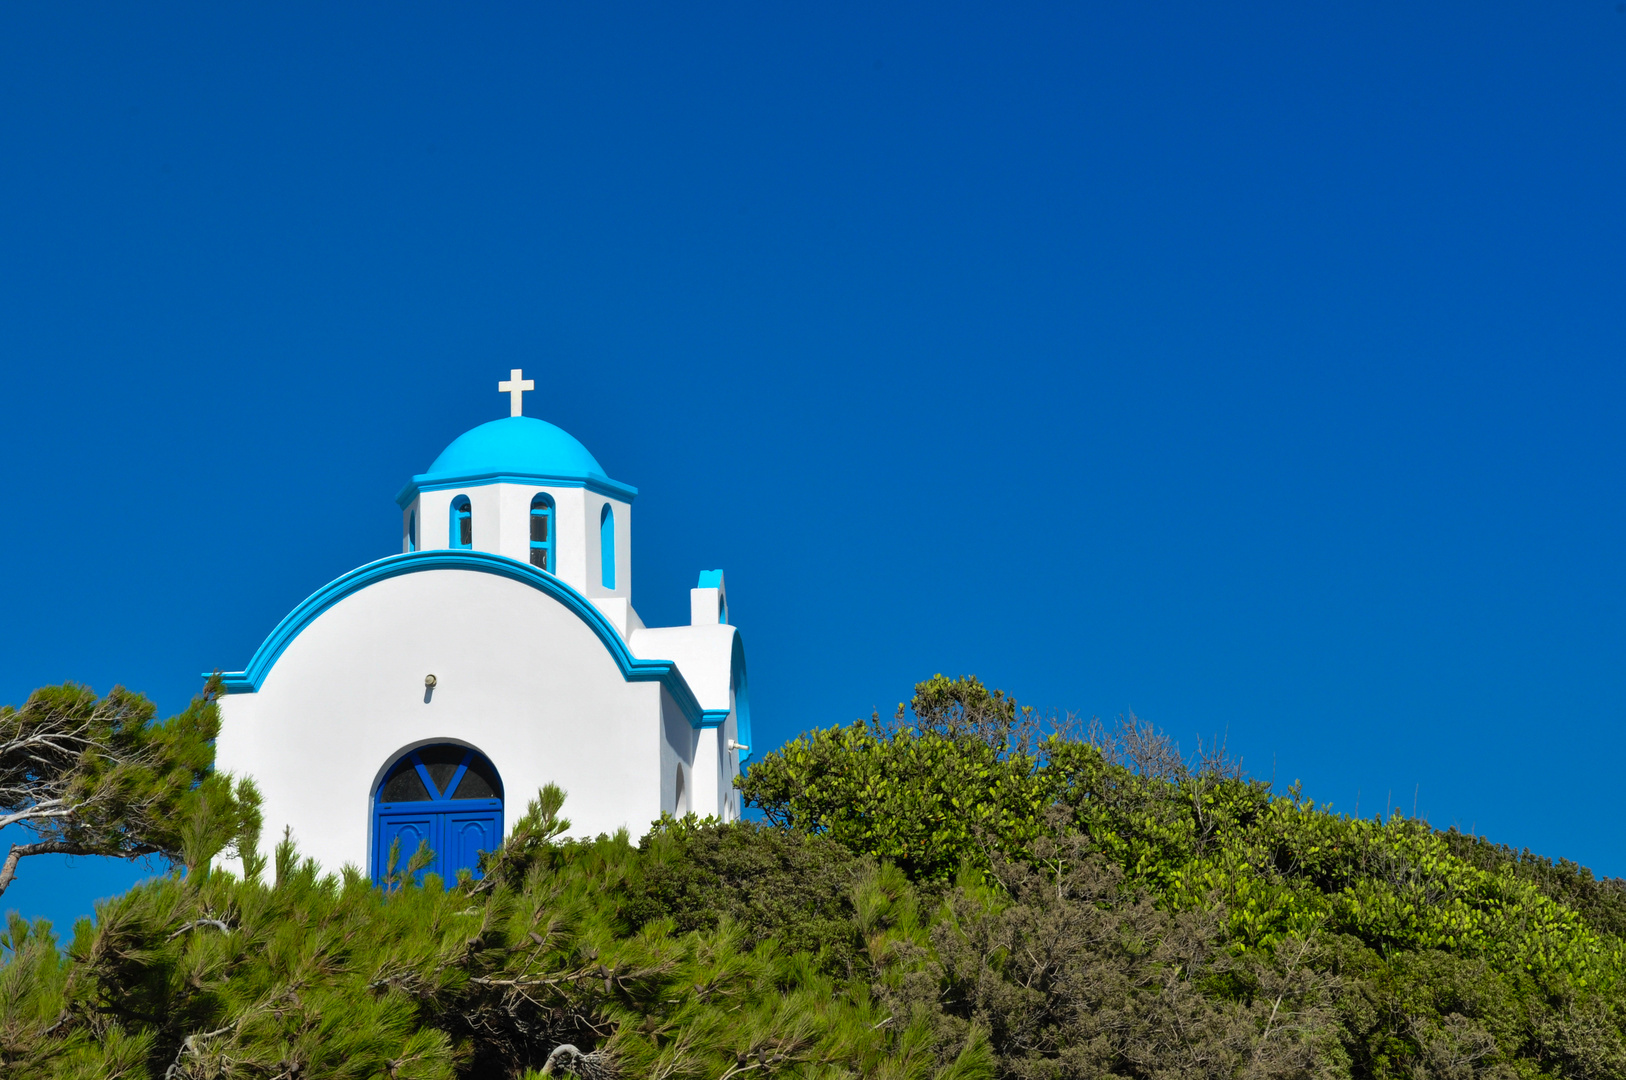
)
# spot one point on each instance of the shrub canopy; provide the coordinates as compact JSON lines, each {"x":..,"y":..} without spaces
{"x":959,"y":892}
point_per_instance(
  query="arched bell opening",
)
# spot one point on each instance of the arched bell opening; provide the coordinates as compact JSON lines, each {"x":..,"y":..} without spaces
{"x":606,"y":547}
{"x":460,"y":523}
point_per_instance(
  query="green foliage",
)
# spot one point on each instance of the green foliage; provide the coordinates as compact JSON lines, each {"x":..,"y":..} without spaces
{"x":1603,"y":902}
{"x":95,"y":776}
{"x":1076,"y":973}
{"x":955,"y":895}
{"x":926,"y":797}
{"x":1452,"y":956}
{"x":792,"y":888}
{"x":305,"y":975}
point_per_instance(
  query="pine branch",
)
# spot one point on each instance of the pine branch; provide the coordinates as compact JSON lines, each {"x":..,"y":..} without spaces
{"x":195,"y":923}
{"x":8,"y":870}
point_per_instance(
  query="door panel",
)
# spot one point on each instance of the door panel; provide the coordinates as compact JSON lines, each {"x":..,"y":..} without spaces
{"x":411,"y":829}
{"x":468,"y":834}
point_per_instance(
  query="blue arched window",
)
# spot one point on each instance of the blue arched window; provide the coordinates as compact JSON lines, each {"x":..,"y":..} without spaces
{"x":542,"y":534}
{"x":462,"y":523}
{"x":412,"y":531}
{"x":449,"y":797}
{"x":606,"y":547}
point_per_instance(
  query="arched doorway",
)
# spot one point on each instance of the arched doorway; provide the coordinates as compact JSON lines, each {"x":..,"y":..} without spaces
{"x":447,"y":796}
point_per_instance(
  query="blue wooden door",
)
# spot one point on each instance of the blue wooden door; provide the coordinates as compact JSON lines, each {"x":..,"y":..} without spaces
{"x":448,"y":797}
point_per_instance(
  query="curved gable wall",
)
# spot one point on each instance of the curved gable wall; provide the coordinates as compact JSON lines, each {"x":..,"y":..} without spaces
{"x":633,"y":669}
{"x":528,"y":672}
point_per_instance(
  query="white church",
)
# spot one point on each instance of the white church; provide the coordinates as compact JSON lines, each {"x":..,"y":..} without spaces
{"x":429,"y":695}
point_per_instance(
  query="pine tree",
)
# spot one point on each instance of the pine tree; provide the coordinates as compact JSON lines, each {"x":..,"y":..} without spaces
{"x":95,"y":776}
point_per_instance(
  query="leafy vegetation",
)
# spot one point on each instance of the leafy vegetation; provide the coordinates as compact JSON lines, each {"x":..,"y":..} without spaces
{"x":95,"y":776}
{"x":1440,"y":954}
{"x":961,"y":892}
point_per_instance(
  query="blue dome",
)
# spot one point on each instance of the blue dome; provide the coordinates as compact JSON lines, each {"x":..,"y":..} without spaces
{"x":516,"y":449}
{"x":516,"y":446}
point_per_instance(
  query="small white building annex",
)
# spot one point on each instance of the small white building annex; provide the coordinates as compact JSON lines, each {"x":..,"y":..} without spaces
{"x":429,"y":695}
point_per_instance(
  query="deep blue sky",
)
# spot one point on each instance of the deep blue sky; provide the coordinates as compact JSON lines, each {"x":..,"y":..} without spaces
{"x":1256,"y":370}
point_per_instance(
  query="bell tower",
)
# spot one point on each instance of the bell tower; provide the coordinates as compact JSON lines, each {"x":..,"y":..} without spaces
{"x":526,"y":489}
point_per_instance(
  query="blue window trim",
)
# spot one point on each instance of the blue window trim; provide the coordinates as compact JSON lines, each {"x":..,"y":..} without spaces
{"x":606,"y":546}
{"x":412,"y":531}
{"x":665,"y":672}
{"x":460,"y":509}
{"x":543,"y":501}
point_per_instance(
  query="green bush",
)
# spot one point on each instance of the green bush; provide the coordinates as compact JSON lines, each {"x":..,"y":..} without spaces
{"x":1450,"y":956}
{"x":794,"y":889}
{"x":954,"y":894}
{"x":211,"y":976}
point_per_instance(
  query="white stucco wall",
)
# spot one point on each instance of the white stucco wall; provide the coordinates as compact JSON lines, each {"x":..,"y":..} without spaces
{"x":409,"y":522}
{"x":704,"y":655}
{"x":677,"y":751}
{"x":705,"y":606}
{"x":520,"y":677}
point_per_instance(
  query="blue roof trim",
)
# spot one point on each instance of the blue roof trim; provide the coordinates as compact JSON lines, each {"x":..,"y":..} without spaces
{"x":601,"y":485}
{"x":713,"y":717}
{"x":633,"y":669}
{"x":710,"y":579}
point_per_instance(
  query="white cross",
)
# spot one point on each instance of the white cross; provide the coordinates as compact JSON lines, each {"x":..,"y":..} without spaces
{"x":515,"y":388}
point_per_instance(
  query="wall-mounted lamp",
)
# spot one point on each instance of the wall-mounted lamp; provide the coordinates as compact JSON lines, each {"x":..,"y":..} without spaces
{"x":429,"y":682}
{"x":732,"y":744}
